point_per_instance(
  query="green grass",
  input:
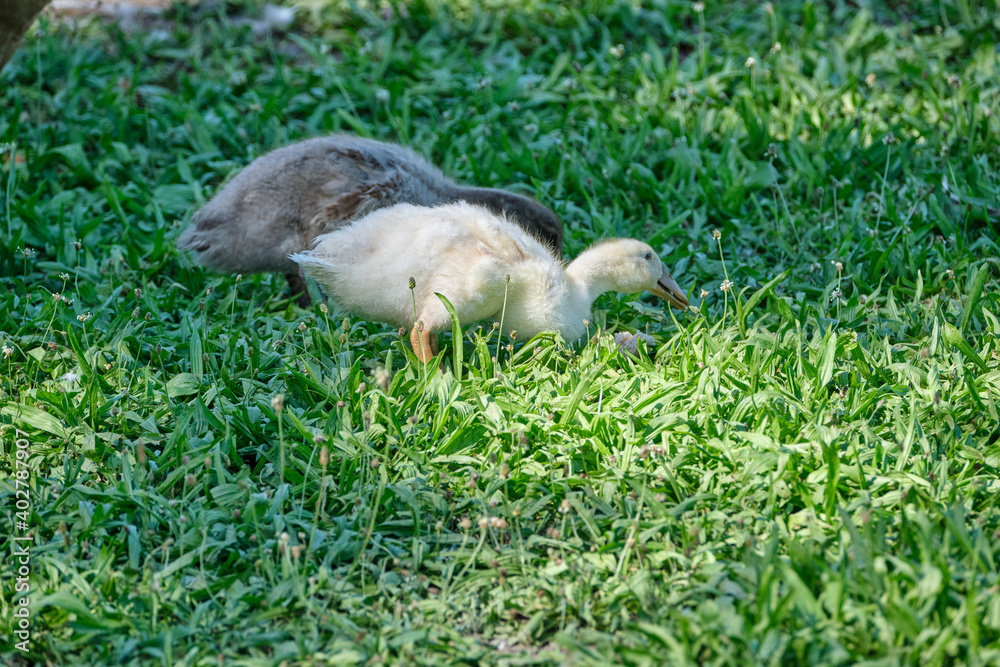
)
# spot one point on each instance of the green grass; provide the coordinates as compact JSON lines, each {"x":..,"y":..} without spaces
{"x":806,"y":473}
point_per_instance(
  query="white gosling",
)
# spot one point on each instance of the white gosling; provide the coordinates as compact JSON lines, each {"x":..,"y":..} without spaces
{"x":466,"y":253}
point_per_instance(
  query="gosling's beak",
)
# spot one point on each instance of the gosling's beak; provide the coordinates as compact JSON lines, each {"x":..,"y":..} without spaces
{"x":668,"y":290}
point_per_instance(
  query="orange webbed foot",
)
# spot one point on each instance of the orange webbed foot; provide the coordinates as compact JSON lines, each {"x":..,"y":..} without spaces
{"x":424,"y":342}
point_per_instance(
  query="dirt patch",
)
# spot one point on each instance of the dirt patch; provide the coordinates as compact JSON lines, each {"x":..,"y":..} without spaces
{"x":111,"y":8}
{"x":139,"y":15}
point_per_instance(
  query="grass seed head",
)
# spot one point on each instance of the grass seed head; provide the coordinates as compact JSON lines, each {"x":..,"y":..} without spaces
{"x":382,"y":378}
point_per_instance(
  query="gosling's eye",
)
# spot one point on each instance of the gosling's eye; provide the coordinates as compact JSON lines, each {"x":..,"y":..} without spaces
{"x":648,"y":256}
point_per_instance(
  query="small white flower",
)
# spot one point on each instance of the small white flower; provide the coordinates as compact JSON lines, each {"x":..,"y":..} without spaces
{"x":84,"y":317}
{"x":699,"y":7}
{"x":70,"y":377}
{"x":617,"y":51}
{"x":870,"y":79}
{"x":531,"y":128}
{"x":382,"y":95}
{"x":751,"y":62}
{"x":726,"y":285}
{"x":7,"y":351}
{"x":776,"y":47}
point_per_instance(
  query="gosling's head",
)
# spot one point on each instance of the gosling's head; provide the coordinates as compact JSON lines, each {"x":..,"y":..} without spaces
{"x":631,"y":266}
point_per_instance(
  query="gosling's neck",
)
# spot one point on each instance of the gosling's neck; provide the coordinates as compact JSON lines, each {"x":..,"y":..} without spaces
{"x":586,"y":279}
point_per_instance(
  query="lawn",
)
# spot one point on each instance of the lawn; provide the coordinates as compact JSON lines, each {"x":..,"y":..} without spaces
{"x":804,"y":472}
